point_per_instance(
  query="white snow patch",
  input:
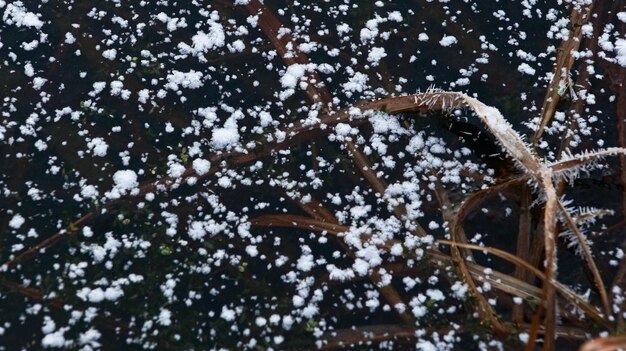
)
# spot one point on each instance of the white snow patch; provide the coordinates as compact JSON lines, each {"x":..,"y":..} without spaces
{"x":17,"y":221}
{"x":125,"y":179}
{"x":38,"y":82}
{"x":526,"y":69}
{"x":189,"y":80}
{"x":16,"y":14}
{"x":293,"y":75}
{"x":56,"y":340}
{"x":29,"y":71}
{"x":98,"y":147}
{"x":224,"y":137}
{"x":523,"y":337}
{"x":96,"y":295}
{"x":176,"y":170}
{"x":357,"y":83}
{"x":375,"y":55}
{"x":201,"y":166}
{"x":207,"y":41}
{"x":305,"y":263}
{"x":196,"y":230}
{"x":227,"y":314}
{"x":90,"y":337}
{"x":165,"y":317}
{"x":89,"y":191}
{"x":448,"y":40}
{"x":69,"y":38}
{"x":113,"y":293}
{"x":424,"y":345}
{"x":109,"y":54}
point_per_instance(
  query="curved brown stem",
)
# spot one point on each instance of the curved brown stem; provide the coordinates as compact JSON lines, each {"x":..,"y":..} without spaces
{"x":459,"y":258}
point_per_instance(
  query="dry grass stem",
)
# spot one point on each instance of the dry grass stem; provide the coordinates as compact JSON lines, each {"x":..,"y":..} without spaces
{"x":560,"y":82}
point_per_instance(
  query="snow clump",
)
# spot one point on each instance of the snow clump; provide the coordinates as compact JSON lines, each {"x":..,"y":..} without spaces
{"x":17,"y":15}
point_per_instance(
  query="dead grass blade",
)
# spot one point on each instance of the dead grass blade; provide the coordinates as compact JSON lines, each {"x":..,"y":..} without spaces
{"x":301,"y":222}
{"x":498,"y":280}
{"x":344,"y":338}
{"x":290,"y":54}
{"x":315,"y":209}
{"x":610,"y":343}
{"x":295,"y":135}
{"x":288,"y":49}
{"x":389,"y":293}
{"x":522,"y":246}
{"x":477,"y":198}
{"x":499,"y":253}
{"x":380,"y":186}
{"x":459,"y":259}
{"x":586,"y":158}
{"x":589,"y":259}
{"x":514,"y":146}
{"x":522,"y":289}
{"x":564,"y":62}
{"x":549,"y":298}
{"x":49,"y":242}
{"x":562,"y":332}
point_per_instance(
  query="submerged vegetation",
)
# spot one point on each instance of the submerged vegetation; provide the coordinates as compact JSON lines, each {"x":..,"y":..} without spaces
{"x":246,"y":174}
